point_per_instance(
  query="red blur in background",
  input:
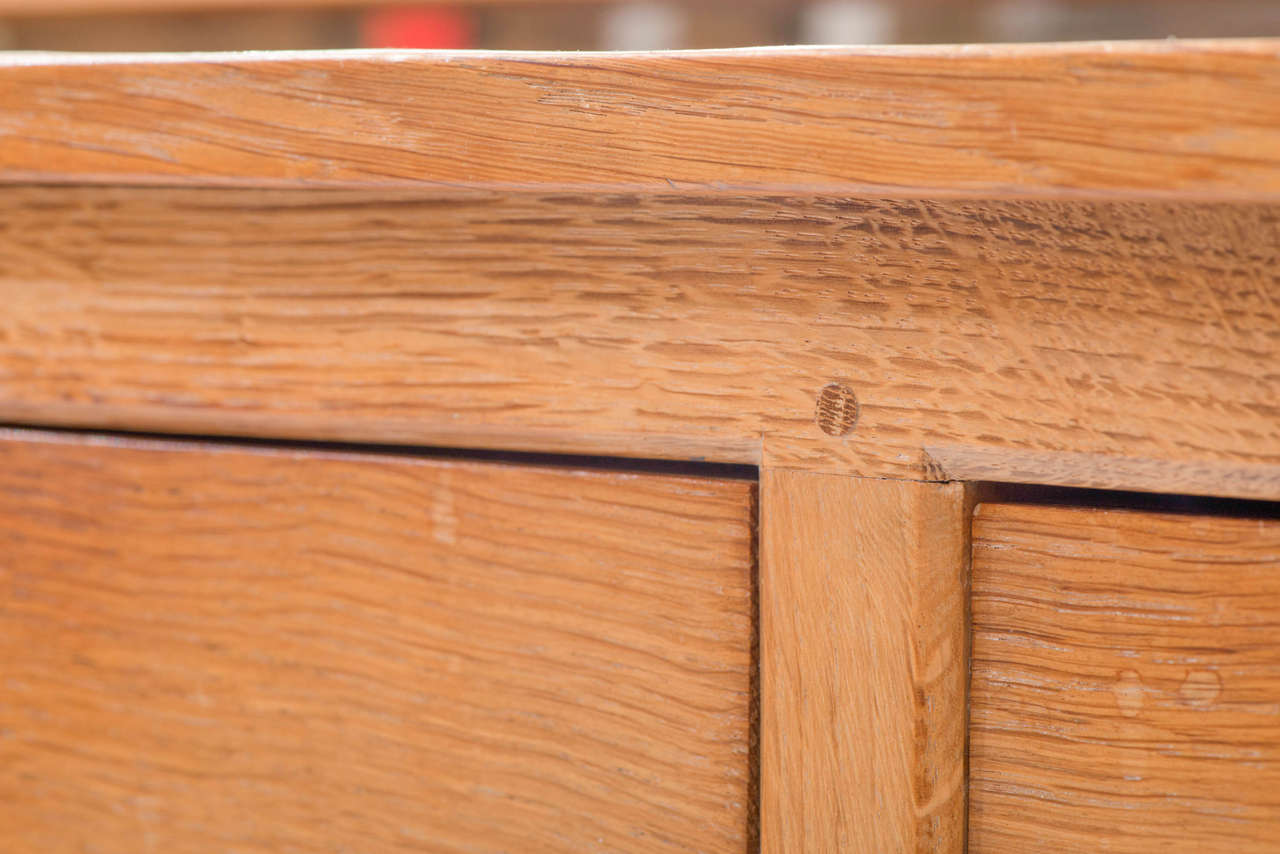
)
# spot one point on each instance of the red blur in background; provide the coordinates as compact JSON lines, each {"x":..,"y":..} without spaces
{"x":425,"y":27}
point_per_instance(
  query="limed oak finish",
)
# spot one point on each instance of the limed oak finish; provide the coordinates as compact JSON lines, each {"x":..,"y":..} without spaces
{"x":1126,"y":682}
{"x":213,"y":649}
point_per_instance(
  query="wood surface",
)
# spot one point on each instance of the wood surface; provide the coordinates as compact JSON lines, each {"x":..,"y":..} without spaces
{"x":1194,"y":119}
{"x":862,"y":664}
{"x":1126,"y":682}
{"x":1103,"y":471}
{"x":212,"y":649}
{"x":1054,"y":342}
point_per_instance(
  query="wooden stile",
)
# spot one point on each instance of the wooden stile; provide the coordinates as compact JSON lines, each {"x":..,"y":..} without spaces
{"x":863,"y":646}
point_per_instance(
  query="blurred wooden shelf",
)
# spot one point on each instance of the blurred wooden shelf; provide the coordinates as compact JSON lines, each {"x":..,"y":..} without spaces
{"x":46,"y":8}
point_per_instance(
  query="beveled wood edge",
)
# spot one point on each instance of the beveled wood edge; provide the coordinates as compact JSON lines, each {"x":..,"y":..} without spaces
{"x":869,"y":121}
{"x":1264,"y":46}
{"x":1211,"y":479}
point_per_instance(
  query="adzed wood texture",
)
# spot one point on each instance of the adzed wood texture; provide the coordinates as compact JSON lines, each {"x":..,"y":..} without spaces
{"x":862,"y":664}
{"x":1126,"y":682}
{"x":1193,"y":118}
{"x":212,"y":649}
{"x":1125,"y":345}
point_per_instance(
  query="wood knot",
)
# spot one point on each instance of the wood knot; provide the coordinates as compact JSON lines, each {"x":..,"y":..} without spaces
{"x":1200,"y":689}
{"x":837,"y":411}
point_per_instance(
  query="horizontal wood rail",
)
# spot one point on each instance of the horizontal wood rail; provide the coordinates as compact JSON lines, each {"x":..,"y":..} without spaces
{"x":1186,"y":119}
{"x":1123,"y":345}
{"x":1046,"y":264}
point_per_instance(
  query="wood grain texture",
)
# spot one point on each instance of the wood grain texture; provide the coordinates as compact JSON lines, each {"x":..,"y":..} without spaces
{"x":211,"y":649}
{"x":1196,"y":119}
{"x":1143,"y":336}
{"x":1126,"y":682}
{"x":862,"y":664}
{"x":1102,"y":471}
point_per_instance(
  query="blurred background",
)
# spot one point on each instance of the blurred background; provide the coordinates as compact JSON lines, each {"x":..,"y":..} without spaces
{"x":184,"y":25}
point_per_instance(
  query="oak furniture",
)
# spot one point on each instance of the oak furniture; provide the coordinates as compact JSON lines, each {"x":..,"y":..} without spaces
{"x":609,"y":452}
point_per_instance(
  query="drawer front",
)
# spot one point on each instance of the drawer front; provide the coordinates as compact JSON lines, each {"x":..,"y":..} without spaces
{"x":226,"y":649}
{"x":1125,"y":688}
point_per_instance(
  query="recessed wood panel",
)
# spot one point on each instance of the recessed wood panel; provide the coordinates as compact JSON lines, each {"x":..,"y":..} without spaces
{"x":1125,"y":682}
{"x":213,"y":649}
{"x":1125,"y":345}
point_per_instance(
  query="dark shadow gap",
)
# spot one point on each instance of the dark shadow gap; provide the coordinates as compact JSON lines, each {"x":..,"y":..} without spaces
{"x":687,"y":468}
{"x":753,"y":695}
{"x":1149,"y":502}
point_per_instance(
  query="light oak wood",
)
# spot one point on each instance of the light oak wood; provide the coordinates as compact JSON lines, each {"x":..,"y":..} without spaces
{"x":1127,"y":345}
{"x":1185,"y":476}
{"x":862,"y":664}
{"x":226,"y":649}
{"x":1126,"y":682}
{"x":1196,"y":119}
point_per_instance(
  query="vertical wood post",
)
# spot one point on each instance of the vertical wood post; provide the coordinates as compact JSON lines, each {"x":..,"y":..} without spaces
{"x":862,"y":655}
